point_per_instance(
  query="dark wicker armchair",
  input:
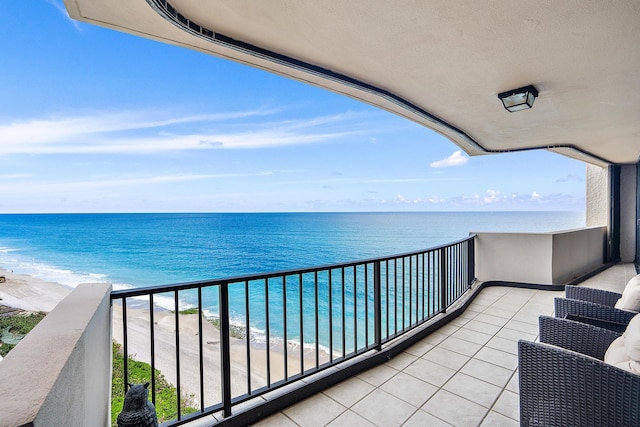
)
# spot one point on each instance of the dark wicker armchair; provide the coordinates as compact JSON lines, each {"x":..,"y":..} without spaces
{"x":564,"y":382}
{"x":595,"y":314}
{"x":598,"y":296}
{"x":593,"y":306}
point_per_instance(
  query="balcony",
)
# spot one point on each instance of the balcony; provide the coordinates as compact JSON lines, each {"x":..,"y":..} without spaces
{"x":427,"y":344}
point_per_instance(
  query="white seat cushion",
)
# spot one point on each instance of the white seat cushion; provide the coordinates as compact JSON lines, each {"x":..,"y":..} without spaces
{"x":616,"y":353}
{"x":631,"y":342}
{"x":630,"y":299}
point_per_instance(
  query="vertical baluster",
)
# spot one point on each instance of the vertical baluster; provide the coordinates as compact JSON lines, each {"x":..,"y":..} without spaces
{"x":395,"y":295}
{"x":284,"y":327}
{"x":301,"y":324}
{"x":152,"y":346}
{"x":200,"y":348}
{"x":225,"y":348}
{"x":267,"y":337}
{"x":344,"y":335}
{"x":355,"y":311}
{"x":377,"y":306}
{"x":330,"y":317}
{"x":247,"y":323}
{"x":125,"y":344}
{"x":386,"y":271}
{"x":443,"y":280}
{"x":472,"y":260}
{"x":422,"y":284}
{"x":177,"y":337}
{"x":366,"y":305}
{"x":430,"y":277}
{"x":317,"y":341}
{"x":410,"y":290}
{"x":403,"y":298}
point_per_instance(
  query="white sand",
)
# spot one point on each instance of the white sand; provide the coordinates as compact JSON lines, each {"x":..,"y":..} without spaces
{"x":138,"y":341}
{"x":30,"y":293}
{"x":33,"y":294}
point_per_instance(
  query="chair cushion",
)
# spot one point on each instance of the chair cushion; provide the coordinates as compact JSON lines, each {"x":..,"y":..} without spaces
{"x":629,"y":365}
{"x":616,"y":353}
{"x":630,"y":299}
{"x":632,"y":339}
{"x":631,"y":344}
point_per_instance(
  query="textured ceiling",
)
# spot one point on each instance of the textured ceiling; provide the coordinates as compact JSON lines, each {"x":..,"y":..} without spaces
{"x":438,"y":62}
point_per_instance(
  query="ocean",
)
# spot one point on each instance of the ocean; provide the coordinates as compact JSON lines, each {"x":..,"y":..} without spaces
{"x":134,"y":250}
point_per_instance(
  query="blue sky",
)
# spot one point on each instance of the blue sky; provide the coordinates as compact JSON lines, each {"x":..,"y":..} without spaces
{"x":92,"y":120}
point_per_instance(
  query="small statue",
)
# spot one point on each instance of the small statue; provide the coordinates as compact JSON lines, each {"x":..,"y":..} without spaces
{"x":137,"y":410}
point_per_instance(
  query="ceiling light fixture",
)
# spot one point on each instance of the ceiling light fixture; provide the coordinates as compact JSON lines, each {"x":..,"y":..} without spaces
{"x":518,"y":99}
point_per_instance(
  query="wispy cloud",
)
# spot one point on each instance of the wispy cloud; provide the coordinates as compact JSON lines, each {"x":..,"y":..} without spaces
{"x":570,"y":177}
{"x":145,"y":131}
{"x":91,"y":186}
{"x":456,"y":159}
{"x":60,"y":6}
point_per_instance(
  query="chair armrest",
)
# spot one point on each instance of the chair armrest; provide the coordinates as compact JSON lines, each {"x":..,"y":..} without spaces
{"x":559,"y":387}
{"x":598,"y":296}
{"x":575,"y":336}
{"x":566,"y":306}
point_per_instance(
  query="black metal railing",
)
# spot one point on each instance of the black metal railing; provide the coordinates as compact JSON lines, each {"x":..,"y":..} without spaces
{"x":223,"y":342}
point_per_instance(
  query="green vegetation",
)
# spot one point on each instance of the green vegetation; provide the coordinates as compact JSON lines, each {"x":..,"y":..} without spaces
{"x":18,"y":324}
{"x":140,"y":373}
{"x":234,"y":331}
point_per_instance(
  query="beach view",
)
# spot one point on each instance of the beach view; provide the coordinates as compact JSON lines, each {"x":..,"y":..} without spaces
{"x":303,"y":214}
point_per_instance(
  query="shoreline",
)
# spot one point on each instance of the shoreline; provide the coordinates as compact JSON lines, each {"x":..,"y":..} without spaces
{"x":29,"y":293}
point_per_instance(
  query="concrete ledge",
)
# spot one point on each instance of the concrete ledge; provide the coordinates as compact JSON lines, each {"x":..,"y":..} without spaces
{"x":551,"y":258}
{"x":60,"y":372}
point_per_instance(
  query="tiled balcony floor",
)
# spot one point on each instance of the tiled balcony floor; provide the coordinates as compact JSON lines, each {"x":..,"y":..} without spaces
{"x":464,"y":374}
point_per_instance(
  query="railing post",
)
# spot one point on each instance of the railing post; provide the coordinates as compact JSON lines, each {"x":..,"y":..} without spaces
{"x":125,"y":344}
{"x":377,"y":304}
{"x":443,"y":280}
{"x":471,"y":244}
{"x":225,"y":353}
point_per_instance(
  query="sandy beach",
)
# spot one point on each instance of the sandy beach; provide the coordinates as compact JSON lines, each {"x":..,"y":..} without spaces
{"x":33,"y":294}
{"x":139,"y":347}
{"x":30,"y":293}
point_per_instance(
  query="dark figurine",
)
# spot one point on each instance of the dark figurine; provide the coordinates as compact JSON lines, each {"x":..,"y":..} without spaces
{"x":137,"y":410}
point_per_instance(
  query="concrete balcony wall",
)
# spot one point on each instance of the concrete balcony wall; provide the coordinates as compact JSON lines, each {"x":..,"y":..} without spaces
{"x":541,"y":258}
{"x":60,"y":372}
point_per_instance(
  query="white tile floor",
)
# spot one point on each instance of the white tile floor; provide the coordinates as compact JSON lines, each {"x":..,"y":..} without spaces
{"x":464,"y":374}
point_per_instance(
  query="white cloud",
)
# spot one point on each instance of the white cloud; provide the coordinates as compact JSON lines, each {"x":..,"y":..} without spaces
{"x":571,"y":177}
{"x":148,"y":131}
{"x":536,"y":197}
{"x":456,"y":159}
{"x":491,"y":196}
{"x":91,"y":186}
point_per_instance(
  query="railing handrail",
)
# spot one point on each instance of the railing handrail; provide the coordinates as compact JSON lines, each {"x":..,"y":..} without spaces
{"x":383,"y":298}
{"x":182,"y":286}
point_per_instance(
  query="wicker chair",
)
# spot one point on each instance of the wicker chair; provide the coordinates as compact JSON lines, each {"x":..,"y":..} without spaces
{"x":593,"y":306}
{"x":597,"y":296}
{"x":564,"y":382}
{"x":603,"y":316}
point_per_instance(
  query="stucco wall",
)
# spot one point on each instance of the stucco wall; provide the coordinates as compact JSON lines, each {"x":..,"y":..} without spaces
{"x":628,"y":213}
{"x":513,"y":257}
{"x":60,"y":373}
{"x":541,"y":258}
{"x":597,"y":196}
{"x":577,"y":252}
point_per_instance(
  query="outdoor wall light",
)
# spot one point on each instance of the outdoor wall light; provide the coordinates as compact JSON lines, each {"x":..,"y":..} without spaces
{"x":518,"y":99}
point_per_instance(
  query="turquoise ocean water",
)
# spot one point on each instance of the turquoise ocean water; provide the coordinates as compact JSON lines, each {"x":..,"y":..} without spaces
{"x":133,"y":250}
